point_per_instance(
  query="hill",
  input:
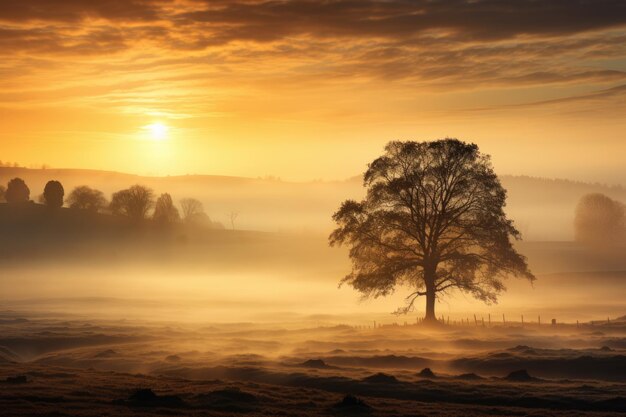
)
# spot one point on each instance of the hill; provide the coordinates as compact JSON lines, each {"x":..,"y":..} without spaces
{"x":542,"y":208}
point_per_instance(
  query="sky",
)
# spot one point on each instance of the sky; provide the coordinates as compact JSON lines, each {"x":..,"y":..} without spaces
{"x":312,"y":89}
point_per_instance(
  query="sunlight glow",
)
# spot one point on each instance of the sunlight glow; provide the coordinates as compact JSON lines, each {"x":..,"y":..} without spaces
{"x":157,"y":131}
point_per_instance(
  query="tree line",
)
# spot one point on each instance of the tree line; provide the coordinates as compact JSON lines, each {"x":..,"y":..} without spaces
{"x":137,"y":202}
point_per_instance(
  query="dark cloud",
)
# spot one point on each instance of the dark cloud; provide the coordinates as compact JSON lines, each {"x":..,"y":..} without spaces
{"x":263,"y":21}
{"x":422,"y":44}
{"x":528,"y":62}
{"x":77,"y":10}
{"x":92,"y":40}
{"x":43,"y":40}
{"x":475,"y":19}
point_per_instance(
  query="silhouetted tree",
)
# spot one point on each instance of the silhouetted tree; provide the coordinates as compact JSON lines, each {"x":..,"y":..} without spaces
{"x":134,"y":202}
{"x":600,"y":220}
{"x":164,"y":210}
{"x":17,"y":191}
{"x":432,"y":220}
{"x":87,"y":198}
{"x":192,"y":210}
{"x":2,"y":193}
{"x":233,"y":216}
{"x":53,"y":194}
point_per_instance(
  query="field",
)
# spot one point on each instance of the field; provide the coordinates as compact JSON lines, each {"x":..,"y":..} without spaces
{"x":71,"y":366}
{"x":227,"y":323}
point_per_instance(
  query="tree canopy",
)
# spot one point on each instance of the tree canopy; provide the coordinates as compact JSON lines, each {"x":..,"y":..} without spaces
{"x":87,"y":198}
{"x":134,"y":202}
{"x":17,"y":191}
{"x":600,"y":220}
{"x":164,"y":210}
{"x":432,"y":220}
{"x":193,"y":210}
{"x":53,"y":194}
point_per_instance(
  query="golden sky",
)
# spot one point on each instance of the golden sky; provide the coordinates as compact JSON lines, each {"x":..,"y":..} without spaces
{"x":312,"y":89}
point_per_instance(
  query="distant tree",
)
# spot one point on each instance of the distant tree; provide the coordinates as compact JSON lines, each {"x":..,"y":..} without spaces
{"x":201,"y":219}
{"x":134,"y":202}
{"x":192,"y":210}
{"x":432,"y":220}
{"x":2,"y":193}
{"x":17,"y":191}
{"x":53,"y":194}
{"x":232,"y":217}
{"x":164,"y":210}
{"x":600,"y":220}
{"x":87,"y":198}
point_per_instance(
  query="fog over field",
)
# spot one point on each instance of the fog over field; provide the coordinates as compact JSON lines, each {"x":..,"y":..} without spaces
{"x":286,"y":271}
{"x":294,"y":208}
{"x":213,"y":319}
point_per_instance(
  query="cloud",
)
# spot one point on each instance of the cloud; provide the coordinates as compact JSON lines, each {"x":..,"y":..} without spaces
{"x":251,"y":46}
{"x":79,"y":10}
{"x":219,"y":22}
{"x":617,"y":91}
{"x":45,"y":40}
{"x":471,"y":20}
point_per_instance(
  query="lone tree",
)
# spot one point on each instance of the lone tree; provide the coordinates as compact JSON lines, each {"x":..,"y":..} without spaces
{"x":164,"y":210}
{"x":134,"y":202}
{"x":233,"y":216}
{"x":600,"y":220}
{"x":432,"y":220}
{"x":53,"y":194}
{"x":17,"y":191}
{"x":2,"y":193}
{"x":87,"y":198}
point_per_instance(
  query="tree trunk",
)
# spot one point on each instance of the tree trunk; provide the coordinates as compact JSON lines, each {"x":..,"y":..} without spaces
{"x":431,"y":295}
{"x":430,"y":307}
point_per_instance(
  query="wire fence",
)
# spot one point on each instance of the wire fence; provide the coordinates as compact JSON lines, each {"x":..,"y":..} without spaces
{"x":489,"y":320}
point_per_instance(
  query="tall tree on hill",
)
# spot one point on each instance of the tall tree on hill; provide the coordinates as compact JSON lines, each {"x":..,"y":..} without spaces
{"x":17,"y":191}
{"x":432,"y":220}
{"x":164,"y":210}
{"x":53,"y":194}
{"x":134,"y":202}
{"x":2,"y":193}
{"x":87,"y":198}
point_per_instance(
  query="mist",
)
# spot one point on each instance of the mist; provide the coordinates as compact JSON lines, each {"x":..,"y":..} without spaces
{"x":255,"y":298}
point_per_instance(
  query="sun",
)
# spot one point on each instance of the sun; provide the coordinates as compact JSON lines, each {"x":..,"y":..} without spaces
{"x":157,"y":130}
